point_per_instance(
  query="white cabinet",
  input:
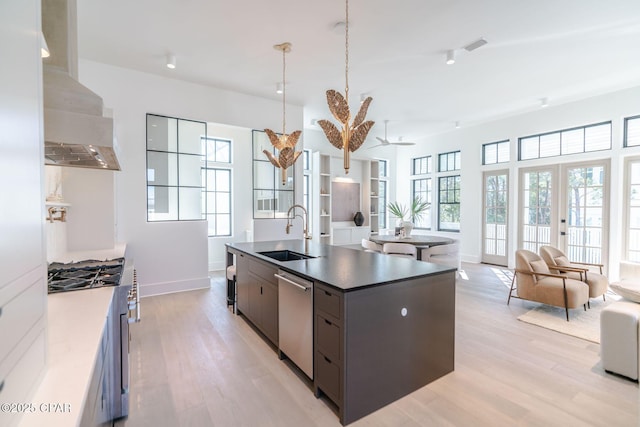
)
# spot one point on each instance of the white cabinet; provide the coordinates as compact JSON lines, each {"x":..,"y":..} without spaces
{"x":321,"y":215}
{"x":23,"y":281}
{"x":349,"y":235}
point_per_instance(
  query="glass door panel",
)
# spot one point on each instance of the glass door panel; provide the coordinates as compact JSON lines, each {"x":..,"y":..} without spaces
{"x":537,"y":195}
{"x":585,"y":198}
{"x":496,"y":191}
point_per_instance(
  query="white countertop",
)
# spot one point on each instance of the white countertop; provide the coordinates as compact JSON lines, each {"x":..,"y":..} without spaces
{"x":75,"y":324}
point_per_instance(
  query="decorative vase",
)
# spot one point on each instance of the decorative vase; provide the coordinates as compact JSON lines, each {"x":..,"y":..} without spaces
{"x":358,"y":218}
{"x":408,"y":228}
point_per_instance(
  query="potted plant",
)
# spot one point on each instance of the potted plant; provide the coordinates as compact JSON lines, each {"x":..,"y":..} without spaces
{"x":414,"y":212}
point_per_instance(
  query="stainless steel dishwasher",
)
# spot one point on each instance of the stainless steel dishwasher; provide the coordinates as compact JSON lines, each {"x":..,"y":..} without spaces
{"x":295,"y":320}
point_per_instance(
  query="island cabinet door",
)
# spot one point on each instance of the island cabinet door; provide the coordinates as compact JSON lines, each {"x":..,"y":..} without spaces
{"x":400,"y":338}
{"x":242,"y":283}
{"x":269,"y":310}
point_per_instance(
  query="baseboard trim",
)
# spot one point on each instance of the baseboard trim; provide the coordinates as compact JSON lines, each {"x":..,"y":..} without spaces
{"x":153,"y":289}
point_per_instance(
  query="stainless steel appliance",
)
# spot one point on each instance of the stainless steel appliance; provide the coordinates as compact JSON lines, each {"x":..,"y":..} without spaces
{"x":125,"y":309}
{"x":295,"y":320}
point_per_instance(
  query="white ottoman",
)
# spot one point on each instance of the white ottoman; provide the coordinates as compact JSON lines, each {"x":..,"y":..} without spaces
{"x":619,"y":338}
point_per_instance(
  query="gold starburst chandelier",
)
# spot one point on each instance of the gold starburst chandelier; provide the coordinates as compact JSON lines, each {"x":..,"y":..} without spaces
{"x":351,"y":137}
{"x":285,"y":144}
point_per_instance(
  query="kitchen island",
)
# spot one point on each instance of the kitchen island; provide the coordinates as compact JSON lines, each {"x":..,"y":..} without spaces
{"x":383,"y":326}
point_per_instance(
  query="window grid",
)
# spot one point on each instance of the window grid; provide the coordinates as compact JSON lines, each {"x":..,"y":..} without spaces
{"x":496,"y":152}
{"x":421,"y":165}
{"x":382,"y":204}
{"x":632,"y":131}
{"x":217,"y":200}
{"x":421,"y":188}
{"x":173,"y":189}
{"x":448,"y":162}
{"x":583,"y":139}
{"x":449,"y":203}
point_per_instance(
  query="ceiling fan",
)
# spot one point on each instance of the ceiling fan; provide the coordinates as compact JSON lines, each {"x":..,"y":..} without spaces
{"x":385,"y":142}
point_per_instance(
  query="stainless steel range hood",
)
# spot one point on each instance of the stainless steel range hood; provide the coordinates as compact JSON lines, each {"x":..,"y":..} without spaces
{"x":76,"y":131}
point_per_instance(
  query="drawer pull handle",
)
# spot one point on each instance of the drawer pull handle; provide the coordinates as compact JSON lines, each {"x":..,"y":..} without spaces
{"x":1,"y":386}
{"x":327,"y":322}
{"x":327,"y":293}
{"x":327,"y":359}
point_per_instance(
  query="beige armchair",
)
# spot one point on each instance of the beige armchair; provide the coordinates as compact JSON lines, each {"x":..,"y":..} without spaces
{"x":558,"y":263}
{"x":534,"y":282}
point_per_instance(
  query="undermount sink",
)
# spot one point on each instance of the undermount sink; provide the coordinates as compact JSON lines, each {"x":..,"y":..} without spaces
{"x":285,"y":255}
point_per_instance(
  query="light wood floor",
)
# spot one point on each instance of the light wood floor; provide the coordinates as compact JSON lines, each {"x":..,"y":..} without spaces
{"x":195,"y":363}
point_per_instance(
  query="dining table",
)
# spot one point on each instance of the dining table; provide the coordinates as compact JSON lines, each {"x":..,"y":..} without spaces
{"x":421,"y":241}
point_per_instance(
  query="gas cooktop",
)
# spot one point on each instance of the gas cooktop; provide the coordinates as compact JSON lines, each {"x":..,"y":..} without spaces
{"x":86,"y":274}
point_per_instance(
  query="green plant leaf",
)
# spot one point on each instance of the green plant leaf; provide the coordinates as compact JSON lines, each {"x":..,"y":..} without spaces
{"x":397,"y":210}
{"x":418,"y":208}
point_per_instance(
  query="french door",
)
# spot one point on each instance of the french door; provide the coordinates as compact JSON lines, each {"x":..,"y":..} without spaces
{"x":566,"y":206}
{"x":495,"y":217}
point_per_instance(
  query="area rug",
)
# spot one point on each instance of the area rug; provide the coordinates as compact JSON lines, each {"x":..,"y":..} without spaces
{"x":582,"y":324}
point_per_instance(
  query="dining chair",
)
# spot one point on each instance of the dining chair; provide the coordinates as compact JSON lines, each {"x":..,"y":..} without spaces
{"x":404,"y":250}
{"x":370,"y":246}
{"x":443,"y":254}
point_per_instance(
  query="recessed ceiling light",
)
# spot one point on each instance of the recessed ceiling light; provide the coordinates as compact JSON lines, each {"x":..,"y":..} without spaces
{"x":279,"y":87}
{"x":544,"y":102}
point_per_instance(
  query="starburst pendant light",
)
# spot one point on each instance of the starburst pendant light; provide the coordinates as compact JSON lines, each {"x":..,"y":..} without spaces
{"x":285,"y":144}
{"x":351,"y":137}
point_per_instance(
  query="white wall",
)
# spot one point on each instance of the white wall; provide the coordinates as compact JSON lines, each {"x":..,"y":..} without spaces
{"x":614,"y":106}
{"x":173,"y":256}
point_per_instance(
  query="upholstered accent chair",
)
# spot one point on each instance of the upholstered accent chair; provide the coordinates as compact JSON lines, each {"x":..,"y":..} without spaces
{"x":405,"y":250}
{"x":559,"y":264}
{"x":534,"y":282}
{"x":370,"y":246}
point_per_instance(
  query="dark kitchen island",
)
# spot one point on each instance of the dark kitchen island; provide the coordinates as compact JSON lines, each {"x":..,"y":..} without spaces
{"x":383,"y":326}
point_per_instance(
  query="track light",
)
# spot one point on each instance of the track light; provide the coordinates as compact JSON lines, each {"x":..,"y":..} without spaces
{"x":457,"y":125}
{"x":171,"y":61}
{"x":279,"y":87}
{"x":544,"y":102}
{"x":451,"y":57}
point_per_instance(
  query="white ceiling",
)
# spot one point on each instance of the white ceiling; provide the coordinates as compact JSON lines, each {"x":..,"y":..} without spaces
{"x":562,"y":50}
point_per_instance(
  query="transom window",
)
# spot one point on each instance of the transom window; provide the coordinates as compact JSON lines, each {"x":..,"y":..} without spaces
{"x":449,"y":161}
{"x":421,"y":165}
{"x":583,"y":139}
{"x":632,"y":131}
{"x":495,"y":152}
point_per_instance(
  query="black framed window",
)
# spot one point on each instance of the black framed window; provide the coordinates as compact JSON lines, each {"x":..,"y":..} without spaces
{"x":632,"y":131}
{"x":421,"y":165}
{"x":271,"y":198}
{"x":306,"y":183}
{"x":448,"y":162}
{"x":421,"y":189}
{"x":449,"y":203}
{"x":175,"y":156}
{"x":583,"y":139}
{"x":382,"y":197}
{"x":495,"y":152}
{"x":217,"y":200}
{"x":384,"y":168}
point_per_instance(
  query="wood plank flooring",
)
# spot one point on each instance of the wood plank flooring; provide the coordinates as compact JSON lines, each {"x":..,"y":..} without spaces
{"x":195,"y":363}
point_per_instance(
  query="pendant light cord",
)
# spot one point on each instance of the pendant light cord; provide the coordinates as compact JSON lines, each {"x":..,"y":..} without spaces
{"x":284,"y":92}
{"x":346,"y":53}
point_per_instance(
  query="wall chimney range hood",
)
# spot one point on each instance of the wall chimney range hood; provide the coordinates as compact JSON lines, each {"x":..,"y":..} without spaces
{"x":76,"y":131}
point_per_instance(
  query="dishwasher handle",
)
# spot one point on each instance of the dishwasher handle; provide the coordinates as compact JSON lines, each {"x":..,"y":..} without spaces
{"x":286,"y":279}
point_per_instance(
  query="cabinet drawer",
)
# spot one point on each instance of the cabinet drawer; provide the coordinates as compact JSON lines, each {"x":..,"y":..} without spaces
{"x":328,"y":377}
{"x":328,"y":338}
{"x":263,"y":271}
{"x":327,"y":301}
